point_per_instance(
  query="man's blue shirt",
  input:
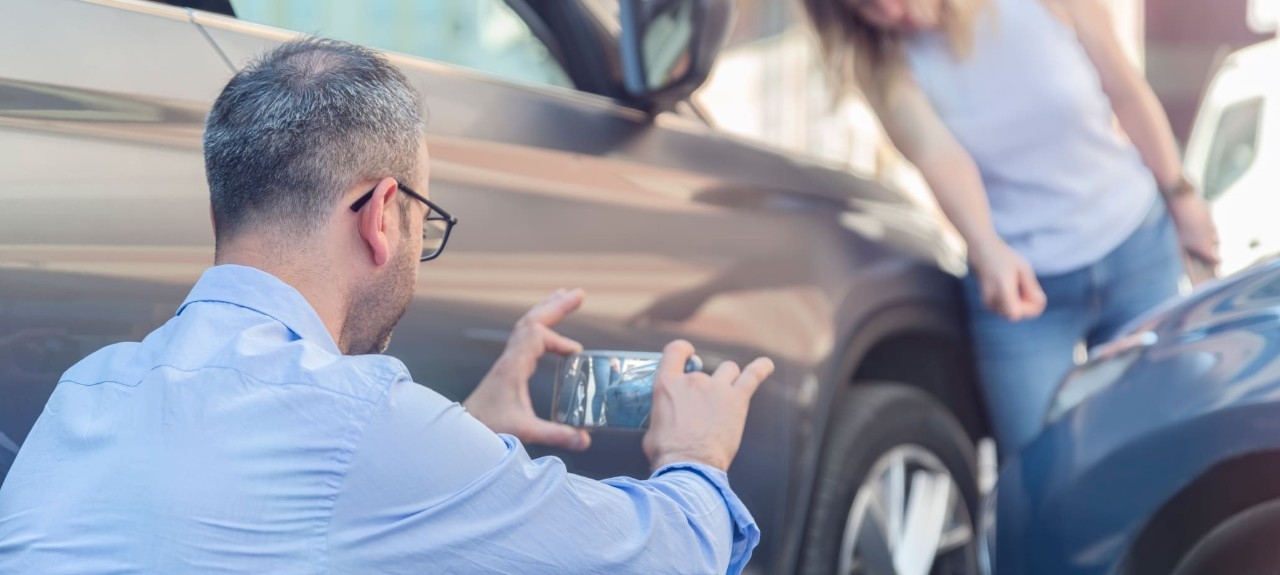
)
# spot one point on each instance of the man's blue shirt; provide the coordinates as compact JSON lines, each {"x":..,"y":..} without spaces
{"x":237,"y":438}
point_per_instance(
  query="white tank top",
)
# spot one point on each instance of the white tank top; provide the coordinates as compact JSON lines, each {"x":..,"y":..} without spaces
{"x":1065,"y":187}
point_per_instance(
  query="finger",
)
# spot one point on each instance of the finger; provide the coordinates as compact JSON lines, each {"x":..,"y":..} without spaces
{"x":995,"y":293}
{"x":556,"y":343}
{"x":674,"y":357}
{"x":1207,"y":255}
{"x":726,"y":372}
{"x":755,"y":373}
{"x":1007,"y":298}
{"x":543,"y":432}
{"x":559,"y":304}
{"x":1032,"y":293}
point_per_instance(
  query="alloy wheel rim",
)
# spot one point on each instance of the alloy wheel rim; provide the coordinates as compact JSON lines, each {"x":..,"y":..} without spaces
{"x":907,"y":514}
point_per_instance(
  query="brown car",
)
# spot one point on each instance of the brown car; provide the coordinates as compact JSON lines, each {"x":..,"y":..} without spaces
{"x":858,"y":454}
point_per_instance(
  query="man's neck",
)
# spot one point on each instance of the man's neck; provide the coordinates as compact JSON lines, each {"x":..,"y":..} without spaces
{"x":322,"y":290}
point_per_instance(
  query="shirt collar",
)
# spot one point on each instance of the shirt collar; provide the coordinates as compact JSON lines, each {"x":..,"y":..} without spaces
{"x":254,"y":289}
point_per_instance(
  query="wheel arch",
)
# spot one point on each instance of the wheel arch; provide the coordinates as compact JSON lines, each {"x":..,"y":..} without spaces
{"x":886,"y":347}
{"x":1226,"y":489}
{"x":919,"y":343}
{"x":949,"y":378}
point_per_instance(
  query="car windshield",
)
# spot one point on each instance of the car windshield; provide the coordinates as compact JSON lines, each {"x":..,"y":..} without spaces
{"x":484,"y":35}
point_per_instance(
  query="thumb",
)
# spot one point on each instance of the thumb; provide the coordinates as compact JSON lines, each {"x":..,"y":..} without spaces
{"x":543,"y":432}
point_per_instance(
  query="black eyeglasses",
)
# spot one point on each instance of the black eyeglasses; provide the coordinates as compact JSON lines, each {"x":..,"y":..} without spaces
{"x":435,"y":227}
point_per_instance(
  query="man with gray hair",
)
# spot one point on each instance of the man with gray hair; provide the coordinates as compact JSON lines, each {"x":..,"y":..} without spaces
{"x":261,"y":430}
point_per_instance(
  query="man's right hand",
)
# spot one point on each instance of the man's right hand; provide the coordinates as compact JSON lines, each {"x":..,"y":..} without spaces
{"x":1008,"y":284}
{"x":697,"y":417}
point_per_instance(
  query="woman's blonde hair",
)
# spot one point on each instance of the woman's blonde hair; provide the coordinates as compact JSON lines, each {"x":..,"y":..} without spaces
{"x":861,"y":57}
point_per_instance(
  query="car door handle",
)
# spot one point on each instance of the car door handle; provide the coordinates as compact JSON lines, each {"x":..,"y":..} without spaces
{"x":1254,"y":243}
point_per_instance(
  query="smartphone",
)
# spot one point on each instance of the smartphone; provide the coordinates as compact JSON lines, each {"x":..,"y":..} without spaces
{"x":604,"y":389}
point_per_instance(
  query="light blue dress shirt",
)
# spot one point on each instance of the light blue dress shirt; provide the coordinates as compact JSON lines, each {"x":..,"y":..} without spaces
{"x":237,"y":438}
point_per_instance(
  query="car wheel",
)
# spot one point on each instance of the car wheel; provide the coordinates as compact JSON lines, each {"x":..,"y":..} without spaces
{"x":1242,"y":545}
{"x":895,"y":488}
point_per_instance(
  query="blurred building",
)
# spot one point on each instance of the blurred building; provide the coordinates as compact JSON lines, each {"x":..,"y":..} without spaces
{"x":1185,"y":42}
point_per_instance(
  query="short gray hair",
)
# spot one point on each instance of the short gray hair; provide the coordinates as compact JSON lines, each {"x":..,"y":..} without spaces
{"x":294,"y":130}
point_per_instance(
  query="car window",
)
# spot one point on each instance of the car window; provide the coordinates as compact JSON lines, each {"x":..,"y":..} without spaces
{"x":484,"y":35}
{"x":1234,"y":146}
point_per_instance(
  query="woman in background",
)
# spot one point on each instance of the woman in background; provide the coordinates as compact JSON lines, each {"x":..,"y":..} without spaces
{"x":1006,"y":107}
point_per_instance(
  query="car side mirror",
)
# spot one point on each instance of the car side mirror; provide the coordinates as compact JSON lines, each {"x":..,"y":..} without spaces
{"x":668,"y":47}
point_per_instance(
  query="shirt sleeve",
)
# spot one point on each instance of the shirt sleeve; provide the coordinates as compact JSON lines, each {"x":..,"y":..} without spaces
{"x":430,"y":488}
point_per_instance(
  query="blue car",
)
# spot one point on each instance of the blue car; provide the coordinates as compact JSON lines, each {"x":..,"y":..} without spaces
{"x":1161,"y":454}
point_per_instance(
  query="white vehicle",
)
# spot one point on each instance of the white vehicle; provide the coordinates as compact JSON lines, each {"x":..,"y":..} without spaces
{"x":1232,"y":154}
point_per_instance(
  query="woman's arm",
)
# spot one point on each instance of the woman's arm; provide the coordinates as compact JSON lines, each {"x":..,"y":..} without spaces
{"x":1009,"y":285}
{"x":1143,"y":120}
{"x":1132,"y":99}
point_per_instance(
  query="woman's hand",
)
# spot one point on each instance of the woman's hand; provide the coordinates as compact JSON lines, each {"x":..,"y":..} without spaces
{"x":1197,"y":233}
{"x":1008,"y":284}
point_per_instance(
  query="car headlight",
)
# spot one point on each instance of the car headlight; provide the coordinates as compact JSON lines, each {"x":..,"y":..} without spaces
{"x":1109,"y":364}
{"x":987,"y":535}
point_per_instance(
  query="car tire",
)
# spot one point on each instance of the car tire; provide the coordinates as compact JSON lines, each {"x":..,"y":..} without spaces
{"x":883,"y":435}
{"x":1242,"y":545}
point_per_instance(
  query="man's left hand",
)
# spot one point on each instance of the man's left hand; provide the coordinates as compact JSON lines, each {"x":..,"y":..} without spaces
{"x":501,"y":401}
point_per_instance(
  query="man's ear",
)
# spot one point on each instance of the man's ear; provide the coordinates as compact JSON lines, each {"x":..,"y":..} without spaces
{"x":213,"y":223}
{"x":373,"y":220}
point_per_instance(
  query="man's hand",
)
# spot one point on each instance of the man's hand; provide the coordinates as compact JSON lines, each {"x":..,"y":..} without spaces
{"x":699,"y":418}
{"x":501,"y":401}
{"x":1197,"y":233}
{"x":1009,"y":285}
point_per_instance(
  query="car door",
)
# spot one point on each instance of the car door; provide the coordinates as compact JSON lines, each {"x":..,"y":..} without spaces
{"x":103,"y":207}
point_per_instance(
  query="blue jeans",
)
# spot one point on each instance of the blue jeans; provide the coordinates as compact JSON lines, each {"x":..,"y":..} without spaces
{"x":1020,"y":364}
